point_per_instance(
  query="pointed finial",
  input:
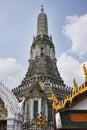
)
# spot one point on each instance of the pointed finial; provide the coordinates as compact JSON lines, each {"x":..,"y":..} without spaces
{"x":75,"y":84}
{"x":42,"y":24}
{"x":85,"y":72}
{"x":42,"y":10}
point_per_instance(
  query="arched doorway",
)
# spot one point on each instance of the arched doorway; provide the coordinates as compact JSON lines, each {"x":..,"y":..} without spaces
{"x":12,"y":109}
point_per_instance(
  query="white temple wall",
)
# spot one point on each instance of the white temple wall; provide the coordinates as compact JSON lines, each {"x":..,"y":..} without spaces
{"x":82,"y":105}
{"x":39,"y":105}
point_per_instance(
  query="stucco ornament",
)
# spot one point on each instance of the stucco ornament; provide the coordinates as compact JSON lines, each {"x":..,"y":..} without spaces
{"x":11,"y":103}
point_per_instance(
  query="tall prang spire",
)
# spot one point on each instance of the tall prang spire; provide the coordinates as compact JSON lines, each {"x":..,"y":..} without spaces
{"x":42,"y":62}
{"x":42,"y":69}
{"x":42,"y":24}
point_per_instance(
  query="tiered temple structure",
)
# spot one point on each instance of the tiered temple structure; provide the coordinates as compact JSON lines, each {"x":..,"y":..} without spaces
{"x":42,"y":76}
{"x":43,"y":92}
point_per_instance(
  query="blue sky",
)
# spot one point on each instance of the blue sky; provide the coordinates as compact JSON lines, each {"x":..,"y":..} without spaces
{"x":67,"y":23}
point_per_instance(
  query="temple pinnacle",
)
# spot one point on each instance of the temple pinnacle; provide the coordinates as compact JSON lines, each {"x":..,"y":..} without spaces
{"x":42,"y":24}
{"x":42,"y":10}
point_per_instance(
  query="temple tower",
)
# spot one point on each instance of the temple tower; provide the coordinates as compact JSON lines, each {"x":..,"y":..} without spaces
{"x":42,"y":70}
{"x":42,"y":62}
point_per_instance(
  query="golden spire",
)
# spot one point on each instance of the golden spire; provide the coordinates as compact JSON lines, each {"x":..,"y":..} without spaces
{"x":75,"y":84}
{"x":85,"y":72}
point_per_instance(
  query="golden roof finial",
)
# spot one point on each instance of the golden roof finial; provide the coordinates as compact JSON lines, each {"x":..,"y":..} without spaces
{"x":85,"y":72}
{"x":54,"y":98}
{"x":75,"y":84}
{"x":55,"y":101}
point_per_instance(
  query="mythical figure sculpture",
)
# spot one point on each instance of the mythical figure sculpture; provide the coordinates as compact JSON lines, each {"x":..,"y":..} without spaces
{"x":41,"y":121}
{"x":21,"y":104}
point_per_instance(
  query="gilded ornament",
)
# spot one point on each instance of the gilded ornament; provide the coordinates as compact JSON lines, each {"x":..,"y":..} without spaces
{"x":85,"y":72}
{"x":41,"y":121}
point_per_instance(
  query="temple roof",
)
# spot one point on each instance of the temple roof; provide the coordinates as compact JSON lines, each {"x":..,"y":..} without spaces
{"x":77,"y":95}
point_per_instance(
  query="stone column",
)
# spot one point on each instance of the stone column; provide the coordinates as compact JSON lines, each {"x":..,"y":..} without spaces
{"x":18,"y":122}
{"x":58,"y":120}
{"x":39,"y":105}
{"x":25,"y":111}
{"x":15,"y":123}
{"x":10,"y":124}
{"x":46,"y":109}
{"x":31,"y":109}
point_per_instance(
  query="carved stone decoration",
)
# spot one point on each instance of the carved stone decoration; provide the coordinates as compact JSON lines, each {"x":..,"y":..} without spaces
{"x":3,"y":111}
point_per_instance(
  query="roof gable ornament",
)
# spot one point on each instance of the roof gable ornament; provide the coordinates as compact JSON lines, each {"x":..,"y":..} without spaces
{"x":78,"y":91}
{"x":75,"y":84}
{"x":85,"y":72}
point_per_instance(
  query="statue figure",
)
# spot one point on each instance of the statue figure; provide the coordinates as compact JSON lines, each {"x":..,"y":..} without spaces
{"x":58,"y":120}
{"x":41,"y":120}
{"x":21,"y":104}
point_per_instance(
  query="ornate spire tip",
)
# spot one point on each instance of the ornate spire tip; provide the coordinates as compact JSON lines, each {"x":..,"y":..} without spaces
{"x":42,"y":10}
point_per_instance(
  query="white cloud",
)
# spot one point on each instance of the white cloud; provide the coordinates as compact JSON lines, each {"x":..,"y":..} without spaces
{"x":11,"y":72}
{"x":71,"y":68}
{"x":76,"y":30}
